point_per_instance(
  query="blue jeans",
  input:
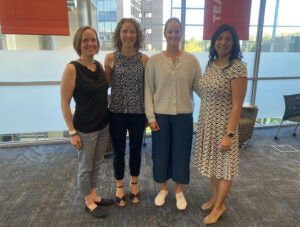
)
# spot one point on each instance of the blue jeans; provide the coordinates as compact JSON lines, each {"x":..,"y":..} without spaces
{"x":135,"y":124}
{"x":171,"y":148}
{"x":90,"y":158}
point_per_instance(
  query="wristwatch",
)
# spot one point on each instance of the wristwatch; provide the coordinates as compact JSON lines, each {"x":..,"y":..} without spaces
{"x":72,"y":132}
{"x":230,"y":134}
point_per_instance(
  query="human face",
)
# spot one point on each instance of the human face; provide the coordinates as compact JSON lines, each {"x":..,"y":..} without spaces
{"x":173,"y":33}
{"x":224,"y":44}
{"x":89,"y":44}
{"x":128,"y":35}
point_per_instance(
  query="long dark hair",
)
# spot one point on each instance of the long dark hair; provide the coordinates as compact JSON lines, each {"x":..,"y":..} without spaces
{"x":236,"y":49}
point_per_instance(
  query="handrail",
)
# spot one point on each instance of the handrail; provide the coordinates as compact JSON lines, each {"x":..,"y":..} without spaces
{"x":38,"y":83}
{"x":30,"y":83}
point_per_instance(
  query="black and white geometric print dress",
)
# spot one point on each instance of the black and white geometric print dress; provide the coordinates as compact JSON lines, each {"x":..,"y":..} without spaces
{"x":127,"y":84}
{"x":216,"y":104}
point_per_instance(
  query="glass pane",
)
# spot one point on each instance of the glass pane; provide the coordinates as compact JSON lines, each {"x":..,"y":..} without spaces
{"x":247,"y":100}
{"x":193,"y":32}
{"x":282,"y":31}
{"x":176,"y":13}
{"x":254,"y":12}
{"x":288,"y":13}
{"x":194,"y":16}
{"x":195,"y":4}
{"x":189,"y":3}
{"x":269,"y":97}
{"x":279,"y":65}
{"x":176,"y":3}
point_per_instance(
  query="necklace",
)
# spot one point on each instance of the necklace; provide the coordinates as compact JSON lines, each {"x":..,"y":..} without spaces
{"x":90,"y":66}
{"x":173,"y":57}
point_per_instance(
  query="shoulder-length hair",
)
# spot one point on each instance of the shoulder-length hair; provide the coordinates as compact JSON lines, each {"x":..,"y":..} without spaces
{"x":78,"y":38}
{"x":139,"y":38}
{"x":236,"y":49}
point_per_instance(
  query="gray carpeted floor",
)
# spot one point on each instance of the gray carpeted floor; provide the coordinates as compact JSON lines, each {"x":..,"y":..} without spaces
{"x":38,"y":188}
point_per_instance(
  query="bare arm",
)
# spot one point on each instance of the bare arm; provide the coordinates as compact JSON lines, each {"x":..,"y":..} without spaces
{"x":144,"y":60}
{"x":66,"y":91}
{"x":108,"y":66}
{"x":239,"y":87}
{"x":153,"y":125}
{"x":67,"y":87}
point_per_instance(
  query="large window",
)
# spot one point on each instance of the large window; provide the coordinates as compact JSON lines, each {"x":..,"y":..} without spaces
{"x":31,"y":98}
{"x":274,"y":71}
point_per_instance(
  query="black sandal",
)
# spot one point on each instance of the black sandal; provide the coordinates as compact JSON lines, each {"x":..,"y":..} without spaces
{"x":97,"y":212}
{"x":135,"y":198}
{"x":105,"y":202}
{"x":120,"y":201}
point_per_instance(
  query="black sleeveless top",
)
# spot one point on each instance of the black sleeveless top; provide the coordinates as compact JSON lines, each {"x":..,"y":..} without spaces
{"x":90,"y":96}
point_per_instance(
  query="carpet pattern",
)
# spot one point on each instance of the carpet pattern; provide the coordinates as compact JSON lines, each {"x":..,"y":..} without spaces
{"x":38,"y":187}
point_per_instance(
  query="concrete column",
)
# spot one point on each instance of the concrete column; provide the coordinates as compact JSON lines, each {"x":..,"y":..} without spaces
{"x":83,"y":17}
{"x":9,"y":42}
{"x":47,"y":42}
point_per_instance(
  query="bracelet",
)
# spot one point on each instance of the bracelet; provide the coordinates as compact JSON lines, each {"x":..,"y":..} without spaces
{"x":72,"y":132}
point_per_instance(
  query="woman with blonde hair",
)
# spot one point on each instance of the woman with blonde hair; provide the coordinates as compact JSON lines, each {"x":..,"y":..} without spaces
{"x":84,"y":80}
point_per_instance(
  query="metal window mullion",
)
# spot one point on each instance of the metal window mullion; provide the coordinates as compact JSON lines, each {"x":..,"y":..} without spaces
{"x":258,"y":49}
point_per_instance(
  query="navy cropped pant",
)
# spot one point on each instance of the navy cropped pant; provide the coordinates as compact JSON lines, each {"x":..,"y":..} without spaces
{"x":120,"y":124}
{"x":171,"y":148}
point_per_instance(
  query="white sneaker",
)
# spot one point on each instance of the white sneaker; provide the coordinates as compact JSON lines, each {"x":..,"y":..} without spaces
{"x":160,"y":199}
{"x":180,"y":201}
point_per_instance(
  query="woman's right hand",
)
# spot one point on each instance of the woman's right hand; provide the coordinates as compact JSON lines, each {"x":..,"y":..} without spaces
{"x":154,"y":126}
{"x":76,"y":141}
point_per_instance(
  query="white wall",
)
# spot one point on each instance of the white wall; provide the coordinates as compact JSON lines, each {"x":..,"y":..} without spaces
{"x":36,"y":108}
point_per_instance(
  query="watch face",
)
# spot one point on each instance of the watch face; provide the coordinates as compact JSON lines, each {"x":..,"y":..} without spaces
{"x":230,"y":134}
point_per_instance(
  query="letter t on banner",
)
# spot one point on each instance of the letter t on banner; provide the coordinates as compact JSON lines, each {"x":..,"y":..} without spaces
{"x":233,"y":12}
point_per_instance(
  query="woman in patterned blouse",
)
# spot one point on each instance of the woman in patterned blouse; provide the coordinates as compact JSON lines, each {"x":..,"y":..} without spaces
{"x":222,"y":91}
{"x":124,"y":69}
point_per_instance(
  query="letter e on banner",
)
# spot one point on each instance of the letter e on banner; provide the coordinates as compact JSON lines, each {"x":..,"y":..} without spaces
{"x":233,"y":12}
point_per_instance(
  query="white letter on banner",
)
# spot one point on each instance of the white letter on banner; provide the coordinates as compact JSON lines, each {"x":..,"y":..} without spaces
{"x":217,"y":9}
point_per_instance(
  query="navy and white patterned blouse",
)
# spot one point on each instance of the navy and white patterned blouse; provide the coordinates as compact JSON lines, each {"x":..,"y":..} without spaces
{"x":127,"y":84}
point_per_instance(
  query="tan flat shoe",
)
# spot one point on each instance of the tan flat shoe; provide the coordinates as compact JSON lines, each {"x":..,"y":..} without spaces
{"x":207,"y":220}
{"x":207,"y":206}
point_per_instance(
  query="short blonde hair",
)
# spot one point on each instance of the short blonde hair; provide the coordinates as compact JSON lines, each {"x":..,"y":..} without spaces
{"x":78,"y":38}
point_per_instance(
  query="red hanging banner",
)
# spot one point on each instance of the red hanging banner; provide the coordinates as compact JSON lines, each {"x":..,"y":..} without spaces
{"x":233,"y":12}
{"x":34,"y":17}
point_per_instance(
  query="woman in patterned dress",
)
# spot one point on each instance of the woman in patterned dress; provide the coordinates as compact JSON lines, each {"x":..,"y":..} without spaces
{"x":222,"y":91}
{"x":124,"y":69}
{"x":171,"y":77}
